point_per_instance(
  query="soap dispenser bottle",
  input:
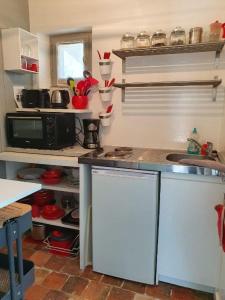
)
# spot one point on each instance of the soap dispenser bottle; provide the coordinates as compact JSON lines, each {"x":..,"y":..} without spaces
{"x":192,"y":146}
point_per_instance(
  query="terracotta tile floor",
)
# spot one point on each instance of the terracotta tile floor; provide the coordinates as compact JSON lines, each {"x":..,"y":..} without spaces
{"x":60,"y":278}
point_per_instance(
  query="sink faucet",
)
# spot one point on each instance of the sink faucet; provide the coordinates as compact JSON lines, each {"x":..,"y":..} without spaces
{"x":209,"y":149}
{"x":195,"y":142}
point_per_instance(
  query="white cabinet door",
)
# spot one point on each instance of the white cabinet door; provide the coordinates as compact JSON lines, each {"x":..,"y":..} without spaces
{"x":188,"y":248}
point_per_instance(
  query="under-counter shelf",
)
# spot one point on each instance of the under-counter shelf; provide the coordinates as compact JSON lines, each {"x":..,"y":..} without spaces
{"x":65,"y":110}
{"x":63,"y":186}
{"x":177,"y":49}
{"x":214,"y":83}
{"x":56,"y":222}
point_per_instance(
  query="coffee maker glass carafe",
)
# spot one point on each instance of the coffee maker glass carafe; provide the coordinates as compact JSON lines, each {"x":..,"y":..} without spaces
{"x":91,"y":133}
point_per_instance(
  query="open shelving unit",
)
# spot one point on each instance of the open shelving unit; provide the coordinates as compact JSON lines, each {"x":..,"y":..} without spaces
{"x":63,"y":186}
{"x":66,"y":110}
{"x":18,"y":45}
{"x":57,"y":222}
{"x":216,"y":47}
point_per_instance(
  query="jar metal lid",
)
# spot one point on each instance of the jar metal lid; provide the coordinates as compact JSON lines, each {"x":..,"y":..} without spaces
{"x":178,"y":30}
{"x":159,"y":33}
{"x":143,"y":34}
{"x":128,"y":35}
{"x":196,"y":29}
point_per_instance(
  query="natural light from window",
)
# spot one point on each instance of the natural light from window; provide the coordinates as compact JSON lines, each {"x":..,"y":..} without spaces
{"x":70,"y":60}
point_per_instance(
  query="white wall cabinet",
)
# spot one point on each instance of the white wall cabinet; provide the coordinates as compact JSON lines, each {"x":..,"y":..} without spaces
{"x":188,"y":246}
{"x":20,"y":50}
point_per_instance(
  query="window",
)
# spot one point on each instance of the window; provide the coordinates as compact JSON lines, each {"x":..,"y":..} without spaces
{"x":70,"y":56}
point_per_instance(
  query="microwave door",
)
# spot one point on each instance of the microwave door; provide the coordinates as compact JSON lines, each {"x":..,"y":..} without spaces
{"x":26,"y":132}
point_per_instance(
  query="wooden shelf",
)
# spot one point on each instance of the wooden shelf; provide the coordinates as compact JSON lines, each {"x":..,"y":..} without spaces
{"x":63,"y":186}
{"x":66,"y":110}
{"x":189,"y":48}
{"x":57,"y":222}
{"x":214,"y":83}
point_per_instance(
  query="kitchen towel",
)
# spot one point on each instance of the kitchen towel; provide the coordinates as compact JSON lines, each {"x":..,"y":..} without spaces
{"x":220,"y":209}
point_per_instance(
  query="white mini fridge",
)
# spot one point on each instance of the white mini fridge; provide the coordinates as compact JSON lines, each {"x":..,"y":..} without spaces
{"x":125,"y":223}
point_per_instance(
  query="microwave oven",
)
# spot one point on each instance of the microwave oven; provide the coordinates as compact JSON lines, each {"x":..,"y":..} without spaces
{"x":40,"y":130}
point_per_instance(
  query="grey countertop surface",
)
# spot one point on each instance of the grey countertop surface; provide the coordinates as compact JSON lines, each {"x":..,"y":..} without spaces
{"x":144,"y":159}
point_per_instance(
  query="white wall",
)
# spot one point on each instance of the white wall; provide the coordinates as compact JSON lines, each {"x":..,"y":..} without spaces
{"x":153,"y":125}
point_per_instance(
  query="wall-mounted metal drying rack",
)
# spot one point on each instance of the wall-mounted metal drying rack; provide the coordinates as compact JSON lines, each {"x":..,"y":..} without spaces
{"x":216,"y":47}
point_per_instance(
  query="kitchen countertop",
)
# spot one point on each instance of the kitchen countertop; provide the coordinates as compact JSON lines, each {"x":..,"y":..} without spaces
{"x":12,"y":190}
{"x":67,"y":157}
{"x":144,"y":159}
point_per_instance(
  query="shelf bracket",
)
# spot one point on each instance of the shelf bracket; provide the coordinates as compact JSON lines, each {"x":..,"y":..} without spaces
{"x":123,"y":91}
{"x":217,"y":55}
{"x":214,"y":90}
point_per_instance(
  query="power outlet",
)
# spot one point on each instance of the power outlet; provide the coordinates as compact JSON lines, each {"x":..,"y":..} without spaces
{"x":17,"y":95}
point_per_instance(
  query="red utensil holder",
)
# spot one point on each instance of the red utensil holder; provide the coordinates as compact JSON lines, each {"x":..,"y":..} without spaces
{"x":80,"y":102}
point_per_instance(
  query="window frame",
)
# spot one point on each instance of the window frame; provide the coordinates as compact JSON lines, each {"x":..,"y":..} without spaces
{"x":69,"y":38}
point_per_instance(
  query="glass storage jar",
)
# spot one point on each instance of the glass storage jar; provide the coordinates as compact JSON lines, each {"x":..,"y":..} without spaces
{"x":195,"y":35}
{"x":127,"y":41}
{"x":159,"y":38}
{"x":178,"y":36}
{"x":143,"y":39}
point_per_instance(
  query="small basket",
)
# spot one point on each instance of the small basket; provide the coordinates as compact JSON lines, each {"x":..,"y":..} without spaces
{"x":74,"y":251}
{"x":105,"y":94}
{"x":105,"y":66}
{"x":105,"y":119}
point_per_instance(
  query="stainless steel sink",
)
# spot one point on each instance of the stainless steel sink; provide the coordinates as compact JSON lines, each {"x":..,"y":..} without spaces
{"x":178,"y":156}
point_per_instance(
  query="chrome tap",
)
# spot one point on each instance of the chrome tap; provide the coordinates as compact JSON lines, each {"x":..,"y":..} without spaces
{"x":195,"y":142}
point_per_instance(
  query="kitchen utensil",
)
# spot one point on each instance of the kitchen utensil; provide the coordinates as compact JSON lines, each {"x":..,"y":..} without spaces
{"x":61,"y":240}
{"x":106,"y":55}
{"x":67,"y":203}
{"x":72,"y":218}
{"x":35,"y":211}
{"x":178,"y":36}
{"x":111,"y":82}
{"x":43,"y":197}
{"x":51,"y":180}
{"x":71,"y":83}
{"x":80,"y":102}
{"x":52,"y":173}
{"x":109,"y":108}
{"x":159,"y":38}
{"x":99,"y":55}
{"x":52,"y":212}
{"x":127,"y":41}
{"x":143,"y":39}
{"x":195,"y":35}
{"x":106,"y":83}
{"x":60,"y":98}
{"x":30,"y":173}
{"x":38,"y":231}
{"x":215,"y":29}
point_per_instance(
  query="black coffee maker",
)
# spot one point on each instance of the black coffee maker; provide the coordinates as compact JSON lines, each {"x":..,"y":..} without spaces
{"x":91,"y":133}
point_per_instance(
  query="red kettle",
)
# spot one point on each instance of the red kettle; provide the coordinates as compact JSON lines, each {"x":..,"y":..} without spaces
{"x":220,"y":209}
